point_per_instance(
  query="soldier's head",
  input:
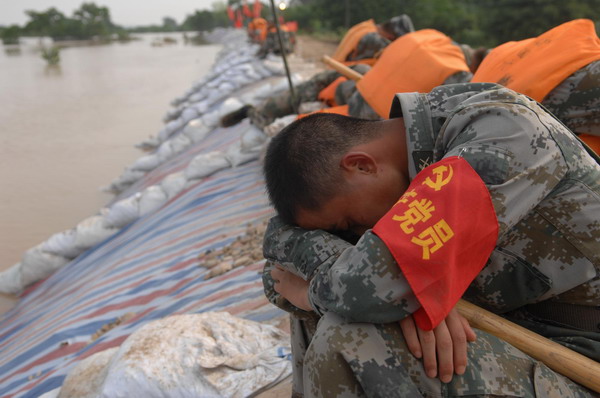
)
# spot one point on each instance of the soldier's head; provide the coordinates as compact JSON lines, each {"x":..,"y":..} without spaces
{"x":333,"y":172}
{"x":396,"y":27}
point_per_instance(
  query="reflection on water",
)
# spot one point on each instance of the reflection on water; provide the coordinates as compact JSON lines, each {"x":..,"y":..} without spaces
{"x":67,"y":130}
{"x":53,"y":70}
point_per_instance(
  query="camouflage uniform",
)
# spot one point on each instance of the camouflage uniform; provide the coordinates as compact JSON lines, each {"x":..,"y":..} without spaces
{"x":576,"y":101}
{"x":545,"y":189}
{"x":369,"y":46}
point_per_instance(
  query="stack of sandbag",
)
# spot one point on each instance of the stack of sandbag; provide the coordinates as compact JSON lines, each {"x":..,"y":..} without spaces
{"x":212,"y":354}
{"x":42,"y":260}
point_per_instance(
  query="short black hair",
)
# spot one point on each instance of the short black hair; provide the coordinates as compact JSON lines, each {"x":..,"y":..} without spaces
{"x":302,"y":162}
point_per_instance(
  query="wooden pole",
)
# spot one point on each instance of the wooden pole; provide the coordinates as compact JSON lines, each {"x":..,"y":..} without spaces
{"x":575,"y":366}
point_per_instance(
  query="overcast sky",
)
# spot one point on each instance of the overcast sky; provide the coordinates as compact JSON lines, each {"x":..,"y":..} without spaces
{"x":122,"y":12}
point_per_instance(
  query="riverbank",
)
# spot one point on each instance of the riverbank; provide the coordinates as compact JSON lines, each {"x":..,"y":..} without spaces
{"x":155,"y":267}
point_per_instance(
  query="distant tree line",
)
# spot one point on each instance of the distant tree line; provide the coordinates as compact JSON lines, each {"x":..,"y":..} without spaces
{"x":476,"y":22}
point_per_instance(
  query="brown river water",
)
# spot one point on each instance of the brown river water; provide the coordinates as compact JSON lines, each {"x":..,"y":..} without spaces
{"x":65,"y":132}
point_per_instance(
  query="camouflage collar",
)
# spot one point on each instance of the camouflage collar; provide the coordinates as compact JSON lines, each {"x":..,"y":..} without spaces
{"x":420,"y":136}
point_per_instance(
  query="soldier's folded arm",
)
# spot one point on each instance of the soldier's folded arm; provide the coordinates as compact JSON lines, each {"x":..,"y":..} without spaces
{"x":361,"y":282}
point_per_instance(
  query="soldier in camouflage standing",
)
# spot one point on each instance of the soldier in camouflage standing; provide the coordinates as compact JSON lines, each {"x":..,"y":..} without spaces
{"x":539,"y":260}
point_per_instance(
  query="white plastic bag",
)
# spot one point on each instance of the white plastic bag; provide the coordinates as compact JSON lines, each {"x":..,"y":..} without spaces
{"x":86,"y":378}
{"x":211,"y":354}
{"x":196,"y":130}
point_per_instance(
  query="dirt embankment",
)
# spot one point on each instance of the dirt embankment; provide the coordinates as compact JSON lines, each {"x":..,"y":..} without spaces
{"x":312,"y":49}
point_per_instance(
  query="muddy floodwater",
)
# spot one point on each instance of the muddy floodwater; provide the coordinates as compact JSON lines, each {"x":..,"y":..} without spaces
{"x":65,"y":132}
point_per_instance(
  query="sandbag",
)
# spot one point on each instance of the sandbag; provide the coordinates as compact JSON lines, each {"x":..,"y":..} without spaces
{"x":206,"y":164}
{"x":152,"y":198}
{"x":180,"y":143}
{"x":62,"y":244}
{"x":38,"y":264}
{"x":252,"y":138}
{"x":86,"y":378}
{"x":92,"y":231}
{"x":11,"y":280}
{"x":196,"y":130}
{"x":164,"y":151}
{"x":123,"y":212}
{"x":173,"y":184}
{"x":146,"y":163}
{"x":211,"y":354}
{"x":238,"y":156}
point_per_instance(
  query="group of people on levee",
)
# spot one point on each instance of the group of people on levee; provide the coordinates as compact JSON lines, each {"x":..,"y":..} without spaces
{"x":445,"y":172}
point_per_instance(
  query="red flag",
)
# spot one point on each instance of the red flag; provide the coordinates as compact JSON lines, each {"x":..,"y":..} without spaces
{"x":230,"y":13}
{"x":441,"y":232}
{"x":256,"y":9}
{"x":246,"y":10}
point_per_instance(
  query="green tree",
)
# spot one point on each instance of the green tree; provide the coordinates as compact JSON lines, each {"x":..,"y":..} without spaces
{"x":11,"y":34}
{"x":170,"y":25}
{"x":94,"y":19}
{"x":44,"y":23}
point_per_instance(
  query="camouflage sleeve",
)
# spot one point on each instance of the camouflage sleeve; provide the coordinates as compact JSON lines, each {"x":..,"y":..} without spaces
{"x":361,"y":283}
{"x":512,"y":150}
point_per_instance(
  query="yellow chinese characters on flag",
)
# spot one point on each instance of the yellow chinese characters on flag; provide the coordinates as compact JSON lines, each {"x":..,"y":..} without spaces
{"x":441,"y":233}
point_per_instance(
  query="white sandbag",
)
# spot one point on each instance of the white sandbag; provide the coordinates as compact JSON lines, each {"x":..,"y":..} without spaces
{"x":37,"y":264}
{"x":212,"y":119}
{"x":180,"y":143}
{"x":128,"y":177}
{"x":123,"y":212}
{"x":237,"y":156}
{"x":86,"y":378}
{"x":173,"y":126}
{"x":196,"y":130}
{"x":211,"y":354}
{"x":206,"y":164}
{"x":274,"y":66}
{"x":252,"y":138}
{"x":11,"y":280}
{"x":146,"y":163}
{"x":188,"y":114}
{"x":229,"y":105}
{"x":173,"y":184}
{"x":62,"y":244}
{"x":201,"y":107}
{"x":148,"y":144}
{"x":164,"y":151}
{"x":278,"y":124}
{"x":152,"y":198}
{"x":163,"y":134}
{"x":92,"y":231}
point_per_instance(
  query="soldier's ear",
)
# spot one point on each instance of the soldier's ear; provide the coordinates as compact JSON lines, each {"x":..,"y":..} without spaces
{"x":358,"y":162}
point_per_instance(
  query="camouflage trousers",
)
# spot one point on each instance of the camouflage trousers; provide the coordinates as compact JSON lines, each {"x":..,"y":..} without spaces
{"x":576,"y":101}
{"x":371,"y":360}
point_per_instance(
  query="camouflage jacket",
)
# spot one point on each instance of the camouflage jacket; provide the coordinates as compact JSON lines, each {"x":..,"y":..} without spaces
{"x":545,"y":188}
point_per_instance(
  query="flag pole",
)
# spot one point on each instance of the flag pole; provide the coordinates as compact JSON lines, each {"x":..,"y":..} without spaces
{"x":287,"y":69}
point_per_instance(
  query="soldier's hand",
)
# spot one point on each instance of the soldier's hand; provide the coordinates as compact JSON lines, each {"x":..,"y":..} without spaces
{"x":443,"y":349}
{"x":292,"y":287}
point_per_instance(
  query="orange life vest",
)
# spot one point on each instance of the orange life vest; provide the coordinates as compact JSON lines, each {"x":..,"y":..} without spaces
{"x":593,"y":141}
{"x":351,"y":39}
{"x":536,"y":66}
{"x":327,"y":95}
{"x":417,"y":61}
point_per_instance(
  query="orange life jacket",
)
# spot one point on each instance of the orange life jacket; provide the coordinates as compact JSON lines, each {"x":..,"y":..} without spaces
{"x":593,"y":141}
{"x":327,"y":95}
{"x":417,"y":61}
{"x":536,"y":66}
{"x":351,"y":39}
